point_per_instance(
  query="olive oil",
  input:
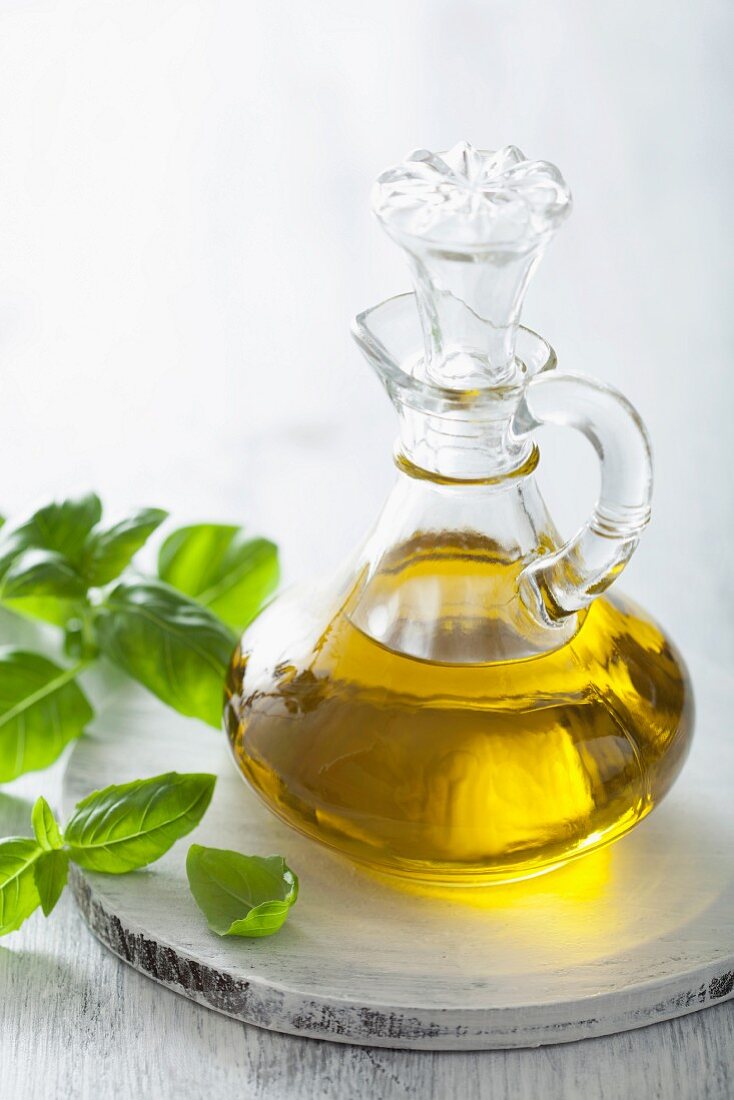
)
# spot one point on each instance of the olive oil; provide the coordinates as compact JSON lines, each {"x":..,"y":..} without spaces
{"x":463,"y":772}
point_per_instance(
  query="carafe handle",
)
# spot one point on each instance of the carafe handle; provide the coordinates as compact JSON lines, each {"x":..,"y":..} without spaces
{"x":557,"y":585}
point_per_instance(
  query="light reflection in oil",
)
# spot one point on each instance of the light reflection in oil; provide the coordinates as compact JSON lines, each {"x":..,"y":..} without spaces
{"x":580,"y":881}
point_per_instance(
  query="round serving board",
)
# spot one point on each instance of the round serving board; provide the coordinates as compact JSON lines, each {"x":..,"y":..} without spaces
{"x":639,"y":932}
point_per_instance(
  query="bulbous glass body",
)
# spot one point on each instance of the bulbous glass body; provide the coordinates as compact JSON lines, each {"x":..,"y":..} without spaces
{"x":455,"y":772}
{"x":464,"y":704}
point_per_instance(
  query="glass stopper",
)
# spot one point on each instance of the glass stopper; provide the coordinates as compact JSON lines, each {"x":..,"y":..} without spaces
{"x":474,"y":223}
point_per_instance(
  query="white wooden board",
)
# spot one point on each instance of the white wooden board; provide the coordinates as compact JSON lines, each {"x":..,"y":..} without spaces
{"x":640,"y":932}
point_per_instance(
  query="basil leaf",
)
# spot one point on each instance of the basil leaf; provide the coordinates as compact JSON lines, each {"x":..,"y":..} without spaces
{"x":172,"y":645}
{"x":214,"y":563}
{"x":62,"y":528}
{"x":129,"y":825}
{"x":37,"y":572}
{"x":241,"y":895}
{"x":108,"y":552}
{"x":49,"y":609}
{"x":50,"y":872}
{"x":42,"y":708}
{"x":18,"y":891}
{"x":45,"y":826}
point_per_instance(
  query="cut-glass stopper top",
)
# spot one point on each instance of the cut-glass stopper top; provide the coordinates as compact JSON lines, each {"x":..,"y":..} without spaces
{"x":472,"y":198}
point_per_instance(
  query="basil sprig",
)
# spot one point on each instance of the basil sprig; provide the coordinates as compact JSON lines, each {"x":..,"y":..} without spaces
{"x":116,"y":830}
{"x":173,"y":633}
{"x":128,"y":826}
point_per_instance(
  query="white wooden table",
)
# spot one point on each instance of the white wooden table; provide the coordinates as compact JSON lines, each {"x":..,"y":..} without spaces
{"x":77,"y":1022}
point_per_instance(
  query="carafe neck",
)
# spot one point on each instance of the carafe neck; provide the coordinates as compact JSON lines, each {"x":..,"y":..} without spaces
{"x":463,"y":450}
{"x":451,"y":434}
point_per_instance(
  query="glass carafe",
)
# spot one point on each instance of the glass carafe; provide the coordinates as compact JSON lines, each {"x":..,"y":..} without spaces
{"x":463,"y":703}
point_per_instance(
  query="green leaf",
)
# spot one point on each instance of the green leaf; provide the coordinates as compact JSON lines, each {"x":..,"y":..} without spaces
{"x":129,"y":825}
{"x":39,"y":558}
{"x":62,"y":528}
{"x":171,"y":644}
{"x":45,"y":826}
{"x":19,"y":895}
{"x":241,"y":895}
{"x":41,"y":573}
{"x":42,"y":708}
{"x":50,"y":871}
{"x":108,"y":552}
{"x":215,"y":564}
{"x":49,"y":609}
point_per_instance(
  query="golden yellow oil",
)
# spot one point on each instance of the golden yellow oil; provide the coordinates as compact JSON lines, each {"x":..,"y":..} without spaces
{"x":465,"y":773}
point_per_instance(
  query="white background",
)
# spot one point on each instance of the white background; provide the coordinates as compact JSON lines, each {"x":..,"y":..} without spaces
{"x":185,"y":237}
